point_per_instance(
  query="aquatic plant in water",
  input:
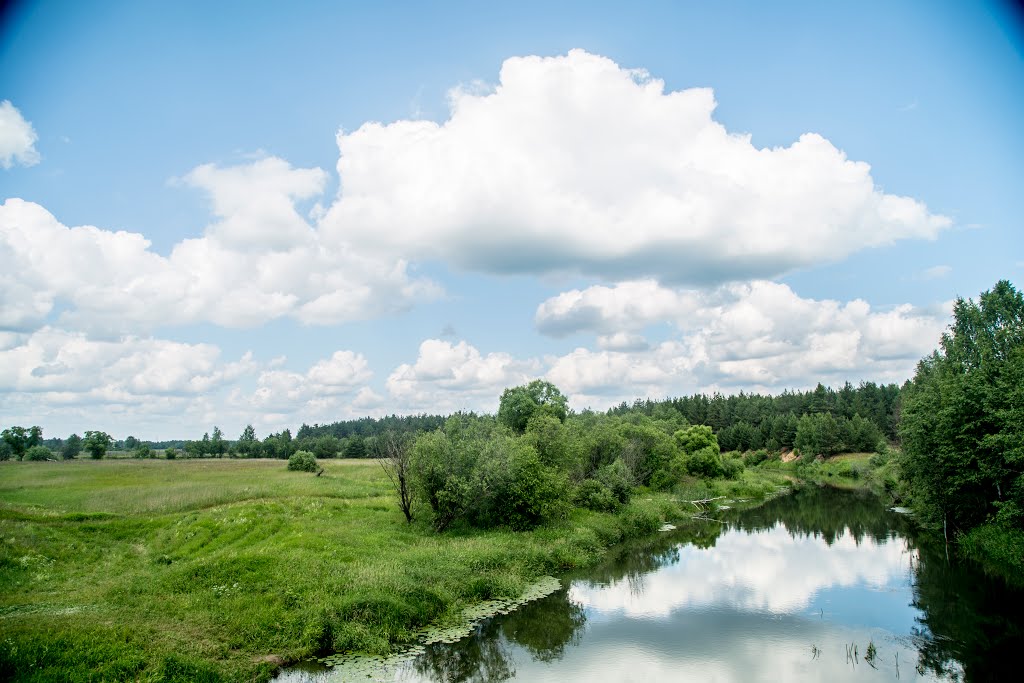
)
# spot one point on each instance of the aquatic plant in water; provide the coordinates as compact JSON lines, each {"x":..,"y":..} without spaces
{"x":374,"y":667}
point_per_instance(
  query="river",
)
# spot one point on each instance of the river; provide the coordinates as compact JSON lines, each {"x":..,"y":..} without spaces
{"x":821,"y":585}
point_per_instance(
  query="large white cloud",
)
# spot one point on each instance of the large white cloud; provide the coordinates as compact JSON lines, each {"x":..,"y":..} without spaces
{"x":155,"y":388}
{"x":17,"y":138}
{"x":757,"y":336}
{"x":574,"y":163}
{"x":627,"y":306}
{"x":325,"y":390}
{"x":448,"y":377}
{"x":259,"y":260}
{"x":71,"y":365}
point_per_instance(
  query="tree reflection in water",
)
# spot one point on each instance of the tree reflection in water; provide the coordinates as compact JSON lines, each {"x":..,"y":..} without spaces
{"x":967,"y":622}
{"x":543,"y":628}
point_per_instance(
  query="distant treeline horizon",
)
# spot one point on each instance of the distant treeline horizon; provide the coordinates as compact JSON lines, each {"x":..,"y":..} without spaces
{"x":741,"y":421}
{"x":734,"y":417}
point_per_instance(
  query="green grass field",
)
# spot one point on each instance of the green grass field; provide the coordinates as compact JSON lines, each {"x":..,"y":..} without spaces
{"x":205,"y":570}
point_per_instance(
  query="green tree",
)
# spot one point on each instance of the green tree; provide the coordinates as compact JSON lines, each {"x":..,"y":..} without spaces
{"x":962,"y":422}
{"x":17,"y":439}
{"x":96,"y":444}
{"x":356,"y":447}
{"x":72,"y":447}
{"x":247,"y":445}
{"x":326,"y":446}
{"x":218,"y":446}
{"x":519,"y":404}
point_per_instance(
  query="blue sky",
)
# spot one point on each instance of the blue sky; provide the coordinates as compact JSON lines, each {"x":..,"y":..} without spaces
{"x":365,"y":209}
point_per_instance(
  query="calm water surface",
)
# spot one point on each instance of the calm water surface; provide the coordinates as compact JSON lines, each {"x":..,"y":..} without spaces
{"x":795,"y":590}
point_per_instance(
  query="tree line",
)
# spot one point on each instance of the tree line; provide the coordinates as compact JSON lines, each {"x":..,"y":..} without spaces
{"x":823,"y":420}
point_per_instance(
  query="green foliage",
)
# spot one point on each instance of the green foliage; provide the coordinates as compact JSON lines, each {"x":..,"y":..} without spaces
{"x":700,"y":452}
{"x":732,"y":468}
{"x":326,"y":446}
{"x":468,"y":471}
{"x":247,"y":445}
{"x":705,"y":462}
{"x":96,"y":444}
{"x":519,"y":404}
{"x":757,"y":457}
{"x":171,"y":453}
{"x":355,"y":447}
{"x":279,"y":445}
{"x":442,"y":473}
{"x":143,"y":451}
{"x":617,"y":478}
{"x":818,"y":434}
{"x":648,"y":447}
{"x":6,"y":452}
{"x":512,"y":487}
{"x":550,"y":438}
{"x":72,"y":447}
{"x":38,"y":453}
{"x":594,"y":495}
{"x":18,"y":439}
{"x":695,"y":438}
{"x":303,"y":461}
{"x":999,"y":547}
{"x":963,"y":415}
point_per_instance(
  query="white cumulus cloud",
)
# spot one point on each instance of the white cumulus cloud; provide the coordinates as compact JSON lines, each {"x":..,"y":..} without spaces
{"x":17,"y":138}
{"x":447,"y":377}
{"x":260,"y":260}
{"x":574,"y":163}
{"x":757,"y":336}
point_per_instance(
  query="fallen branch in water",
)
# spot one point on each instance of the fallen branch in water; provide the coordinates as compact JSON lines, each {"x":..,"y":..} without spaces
{"x":703,"y":503}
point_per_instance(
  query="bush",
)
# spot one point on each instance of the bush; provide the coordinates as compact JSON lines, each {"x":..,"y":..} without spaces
{"x":38,"y":453}
{"x":663,"y":480}
{"x":616,"y":477}
{"x":171,"y":453}
{"x":732,"y":467}
{"x":757,"y":457}
{"x":303,"y":461}
{"x":594,"y":495}
{"x":705,"y":462}
{"x":640,"y":521}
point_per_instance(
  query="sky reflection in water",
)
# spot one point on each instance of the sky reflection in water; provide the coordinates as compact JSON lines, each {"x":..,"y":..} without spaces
{"x":782,"y":592}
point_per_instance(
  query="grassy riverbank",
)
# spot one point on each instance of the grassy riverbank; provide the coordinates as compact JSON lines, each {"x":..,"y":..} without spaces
{"x":204,"y":570}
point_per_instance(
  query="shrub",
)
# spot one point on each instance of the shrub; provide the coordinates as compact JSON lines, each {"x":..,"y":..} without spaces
{"x":303,"y":461}
{"x":757,"y":457}
{"x":732,"y":467}
{"x":663,"y":480}
{"x":640,"y":521}
{"x":171,"y":453}
{"x":38,"y":453}
{"x":594,"y":495}
{"x":705,"y":462}
{"x":617,"y":477}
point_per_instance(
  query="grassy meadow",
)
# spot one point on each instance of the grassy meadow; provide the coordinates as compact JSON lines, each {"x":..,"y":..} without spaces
{"x":207,"y":570}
